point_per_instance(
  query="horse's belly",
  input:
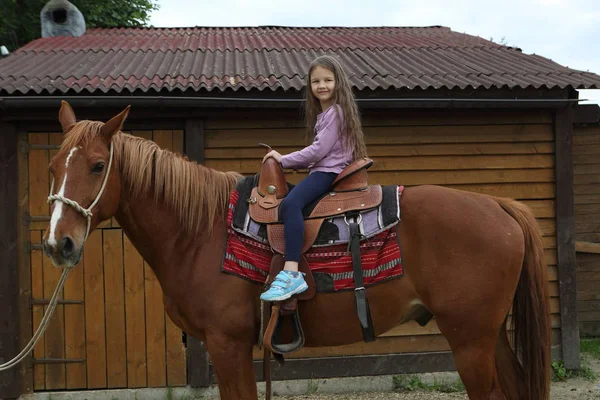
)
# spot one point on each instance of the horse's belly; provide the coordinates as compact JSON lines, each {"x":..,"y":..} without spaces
{"x":331,"y":319}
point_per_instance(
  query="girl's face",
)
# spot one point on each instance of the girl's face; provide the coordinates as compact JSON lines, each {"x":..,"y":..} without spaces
{"x":322,"y":83}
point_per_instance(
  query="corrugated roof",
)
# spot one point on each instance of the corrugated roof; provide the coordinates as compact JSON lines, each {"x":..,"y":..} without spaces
{"x":250,"y":58}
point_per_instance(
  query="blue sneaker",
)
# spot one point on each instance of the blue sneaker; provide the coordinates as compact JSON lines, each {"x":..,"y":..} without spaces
{"x":285,"y":285}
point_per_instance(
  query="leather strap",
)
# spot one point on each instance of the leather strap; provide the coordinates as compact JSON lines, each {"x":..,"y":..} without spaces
{"x":362,"y":303}
{"x":267,"y":358}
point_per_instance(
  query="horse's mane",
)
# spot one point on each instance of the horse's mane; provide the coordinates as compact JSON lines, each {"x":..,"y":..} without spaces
{"x":197,"y":194}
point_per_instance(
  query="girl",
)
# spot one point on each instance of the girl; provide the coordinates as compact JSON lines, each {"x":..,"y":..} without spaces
{"x":333,"y":120}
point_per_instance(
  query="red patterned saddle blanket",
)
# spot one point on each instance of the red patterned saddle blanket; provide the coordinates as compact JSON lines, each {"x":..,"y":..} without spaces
{"x":248,"y":253}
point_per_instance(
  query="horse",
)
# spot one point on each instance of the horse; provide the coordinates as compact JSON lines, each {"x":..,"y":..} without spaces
{"x":468,"y":258}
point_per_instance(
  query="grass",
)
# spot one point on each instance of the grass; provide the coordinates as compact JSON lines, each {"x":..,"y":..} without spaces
{"x":413,"y":382}
{"x":589,"y":349}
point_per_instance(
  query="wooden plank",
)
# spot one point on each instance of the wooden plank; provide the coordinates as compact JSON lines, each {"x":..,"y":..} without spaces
{"x":582,"y":210}
{"x":386,"y":135}
{"x":403,"y":150}
{"x":583,"y":179}
{"x":583,"y":295}
{"x":194,"y":140}
{"x":585,"y":149}
{"x":155,"y":330}
{"x":24,"y":265}
{"x":134,"y":310}
{"x":589,"y":237}
{"x":587,"y":199}
{"x":580,"y":159}
{"x":396,"y":118}
{"x":565,"y":210}
{"x":589,"y":329}
{"x":584,"y":140}
{"x":176,"y":362}
{"x":143,"y":134}
{"x":37,"y":292}
{"x":428,"y":163}
{"x":591,"y":225}
{"x":586,"y":169}
{"x":10,"y":381}
{"x":115,"y":308}
{"x":589,"y":305}
{"x":55,"y":334}
{"x":39,"y":183}
{"x":549,"y":242}
{"x":588,"y":188}
{"x":93,"y":260}
{"x":541,"y":208}
{"x":178,"y":142}
{"x":75,"y":329}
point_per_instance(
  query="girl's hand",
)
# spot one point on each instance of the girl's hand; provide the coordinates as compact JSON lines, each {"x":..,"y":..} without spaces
{"x":273,"y":154}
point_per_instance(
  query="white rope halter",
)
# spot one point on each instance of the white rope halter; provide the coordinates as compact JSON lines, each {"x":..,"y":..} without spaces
{"x":87,"y":212}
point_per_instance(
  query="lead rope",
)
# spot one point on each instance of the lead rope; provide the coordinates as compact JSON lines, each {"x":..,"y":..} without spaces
{"x":87,"y":213}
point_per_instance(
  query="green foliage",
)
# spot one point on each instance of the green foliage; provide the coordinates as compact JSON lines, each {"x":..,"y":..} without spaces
{"x":590,"y":347}
{"x":413,"y":382}
{"x":312,"y":387}
{"x":20,"y":19}
{"x":562,"y":374}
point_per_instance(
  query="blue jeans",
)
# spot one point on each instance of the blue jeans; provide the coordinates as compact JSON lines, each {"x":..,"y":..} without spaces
{"x":307,"y":191}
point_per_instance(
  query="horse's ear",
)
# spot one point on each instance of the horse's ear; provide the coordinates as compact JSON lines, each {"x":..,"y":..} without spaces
{"x":66,"y":116}
{"x":115,"y":124}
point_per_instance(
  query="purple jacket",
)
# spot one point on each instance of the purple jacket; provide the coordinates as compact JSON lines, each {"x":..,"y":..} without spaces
{"x":326,"y":153}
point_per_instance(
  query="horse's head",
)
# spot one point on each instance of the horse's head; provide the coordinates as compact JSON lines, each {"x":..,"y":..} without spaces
{"x":86,"y":184}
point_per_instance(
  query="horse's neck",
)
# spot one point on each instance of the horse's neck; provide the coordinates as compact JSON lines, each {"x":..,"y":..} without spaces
{"x":155,"y":231}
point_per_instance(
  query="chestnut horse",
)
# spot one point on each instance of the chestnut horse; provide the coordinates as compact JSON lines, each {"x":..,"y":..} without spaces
{"x":468,"y":258}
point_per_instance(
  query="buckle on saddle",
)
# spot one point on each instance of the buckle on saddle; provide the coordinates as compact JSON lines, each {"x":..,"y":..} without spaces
{"x":357,"y":216}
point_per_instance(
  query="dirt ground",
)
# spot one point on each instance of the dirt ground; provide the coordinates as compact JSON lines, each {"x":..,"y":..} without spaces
{"x":571,"y":389}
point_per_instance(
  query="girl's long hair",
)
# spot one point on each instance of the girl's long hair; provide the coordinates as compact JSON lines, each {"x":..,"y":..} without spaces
{"x":351,"y":132}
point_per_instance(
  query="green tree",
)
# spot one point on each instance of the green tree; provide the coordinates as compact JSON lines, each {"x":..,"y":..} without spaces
{"x":20,"y":19}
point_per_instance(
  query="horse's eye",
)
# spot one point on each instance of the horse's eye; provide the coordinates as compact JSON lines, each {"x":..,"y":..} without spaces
{"x":99,"y":167}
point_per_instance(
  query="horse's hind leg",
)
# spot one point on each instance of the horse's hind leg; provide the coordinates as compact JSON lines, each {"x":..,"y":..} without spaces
{"x":508,"y":367}
{"x":232,"y":361}
{"x":475,"y":363}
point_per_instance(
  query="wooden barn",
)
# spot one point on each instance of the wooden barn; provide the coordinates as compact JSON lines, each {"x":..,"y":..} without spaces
{"x":438,"y":107}
{"x":586,"y":168}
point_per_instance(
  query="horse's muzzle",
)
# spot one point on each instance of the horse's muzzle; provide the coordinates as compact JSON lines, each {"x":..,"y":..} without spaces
{"x":64,"y":254}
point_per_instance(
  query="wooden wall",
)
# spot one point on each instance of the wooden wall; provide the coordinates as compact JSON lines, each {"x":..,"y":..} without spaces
{"x":507,"y":154}
{"x":586,"y":160}
{"x":111,"y":330}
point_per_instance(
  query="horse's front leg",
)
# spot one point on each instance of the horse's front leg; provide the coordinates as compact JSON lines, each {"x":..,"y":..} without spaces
{"x":232,"y":361}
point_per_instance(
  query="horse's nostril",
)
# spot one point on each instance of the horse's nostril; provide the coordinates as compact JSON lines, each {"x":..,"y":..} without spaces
{"x":67,"y":246}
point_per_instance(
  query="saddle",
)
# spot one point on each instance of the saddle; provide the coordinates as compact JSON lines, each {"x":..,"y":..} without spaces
{"x":350,"y":195}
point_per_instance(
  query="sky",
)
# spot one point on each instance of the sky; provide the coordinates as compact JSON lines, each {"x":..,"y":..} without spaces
{"x":565,"y":31}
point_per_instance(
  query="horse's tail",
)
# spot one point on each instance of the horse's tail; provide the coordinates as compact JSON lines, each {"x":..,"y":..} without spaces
{"x":531,"y":310}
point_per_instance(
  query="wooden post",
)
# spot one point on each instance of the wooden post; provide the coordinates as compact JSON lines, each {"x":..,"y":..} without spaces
{"x":565,"y":238}
{"x":10,"y":380}
{"x":198,"y":364}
